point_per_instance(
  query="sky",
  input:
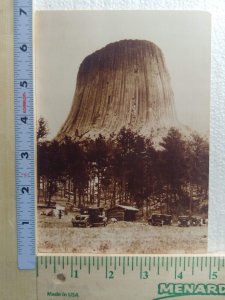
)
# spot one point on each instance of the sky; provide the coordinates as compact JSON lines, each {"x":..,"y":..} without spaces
{"x":64,"y":39}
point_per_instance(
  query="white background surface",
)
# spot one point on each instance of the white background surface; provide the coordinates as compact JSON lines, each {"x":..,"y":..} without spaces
{"x":217,"y":130}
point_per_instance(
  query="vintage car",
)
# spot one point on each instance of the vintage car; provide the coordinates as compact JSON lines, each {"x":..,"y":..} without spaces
{"x":167,"y":219}
{"x":90,"y":217}
{"x":81,"y":221}
{"x":196,"y":221}
{"x":160,"y":219}
{"x":184,"y":221}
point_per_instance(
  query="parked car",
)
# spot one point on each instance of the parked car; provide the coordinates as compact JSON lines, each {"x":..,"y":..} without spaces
{"x":155,"y":220}
{"x":81,"y":221}
{"x":167,"y":219}
{"x":160,"y":219}
{"x":184,"y":221}
{"x":196,"y":221}
{"x":90,"y":217}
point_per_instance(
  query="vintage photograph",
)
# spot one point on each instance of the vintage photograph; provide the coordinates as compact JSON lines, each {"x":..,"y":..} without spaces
{"x":122,"y":134}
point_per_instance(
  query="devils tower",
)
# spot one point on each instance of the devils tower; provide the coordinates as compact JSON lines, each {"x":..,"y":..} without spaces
{"x":124,"y":84}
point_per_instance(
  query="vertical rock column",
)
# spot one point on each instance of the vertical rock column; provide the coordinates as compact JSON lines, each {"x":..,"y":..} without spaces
{"x":126,"y":83}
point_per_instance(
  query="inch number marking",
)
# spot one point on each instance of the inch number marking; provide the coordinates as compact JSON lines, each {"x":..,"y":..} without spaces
{"x":23,"y":84}
{"x":24,"y":119}
{"x":23,"y":48}
{"x":25,"y":190}
{"x":22,"y":12}
{"x":24,"y":155}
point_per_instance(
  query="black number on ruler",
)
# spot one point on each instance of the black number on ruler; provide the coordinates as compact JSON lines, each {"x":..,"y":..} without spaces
{"x":24,"y":155}
{"x":25,"y":222}
{"x":180,"y":275}
{"x":111,"y":275}
{"x":23,"y":84}
{"x":214,"y":275}
{"x":25,"y":190}
{"x":22,"y":12}
{"x":145,"y":275}
{"x":24,"y":120}
{"x":23,"y":48}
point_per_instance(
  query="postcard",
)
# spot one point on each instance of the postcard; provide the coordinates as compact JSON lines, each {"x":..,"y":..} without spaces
{"x":122,"y":113}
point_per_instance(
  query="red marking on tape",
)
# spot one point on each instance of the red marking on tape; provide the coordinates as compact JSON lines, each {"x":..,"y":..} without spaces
{"x":24,"y":102}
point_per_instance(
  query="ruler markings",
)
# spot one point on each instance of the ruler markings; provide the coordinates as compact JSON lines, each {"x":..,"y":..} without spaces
{"x":193,"y":266}
{"x":24,"y":128}
{"x":218,"y":264}
{"x":54,"y":265}
{"x":106,"y":267}
{"x":114,"y":262}
{"x":46,"y":262}
{"x":179,"y":264}
{"x":175,"y":269}
{"x":97,"y":263}
{"x":80,"y":259}
{"x":210,"y":268}
{"x":71,"y":269}
{"x":158,"y":265}
{"x":184,"y":263}
{"x":89,"y":265}
{"x":124,"y":265}
{"x":167,"y":263}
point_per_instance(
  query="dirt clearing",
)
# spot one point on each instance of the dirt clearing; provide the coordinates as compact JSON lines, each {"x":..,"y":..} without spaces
{"x":58,"y":236}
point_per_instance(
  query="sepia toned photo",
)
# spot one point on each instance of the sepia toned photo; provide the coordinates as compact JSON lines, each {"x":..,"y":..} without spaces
{"x":122,"y":114}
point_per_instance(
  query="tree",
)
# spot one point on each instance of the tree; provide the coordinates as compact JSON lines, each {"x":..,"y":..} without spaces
{"x":98,"y":157}
{"x":198,"y":166}
{"x":76,"y":168}
{"x":41,"y":135}
{"x":42,"y":129}
{"x":173,"y":165}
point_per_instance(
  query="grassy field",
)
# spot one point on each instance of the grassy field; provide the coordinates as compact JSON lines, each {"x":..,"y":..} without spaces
{"x":58,"y":236}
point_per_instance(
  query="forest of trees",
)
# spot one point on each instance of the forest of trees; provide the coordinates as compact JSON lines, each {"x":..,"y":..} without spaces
{"x":125,"y":169}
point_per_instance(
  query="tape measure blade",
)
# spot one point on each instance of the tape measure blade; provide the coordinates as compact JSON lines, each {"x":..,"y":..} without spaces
{"x":23,"y":95}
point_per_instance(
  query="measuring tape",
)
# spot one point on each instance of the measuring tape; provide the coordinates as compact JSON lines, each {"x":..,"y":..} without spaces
{"x":24,"y":123}
{"x":130,"y":277}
